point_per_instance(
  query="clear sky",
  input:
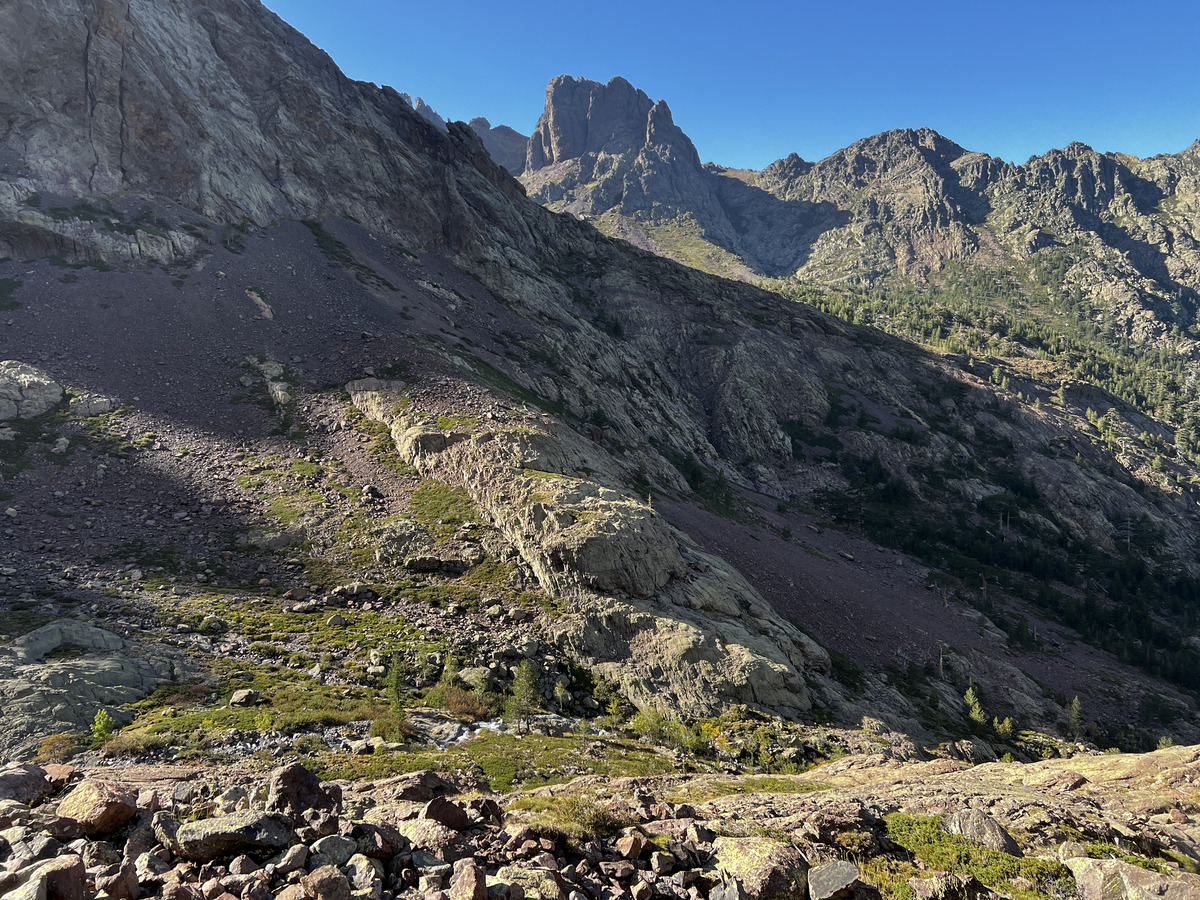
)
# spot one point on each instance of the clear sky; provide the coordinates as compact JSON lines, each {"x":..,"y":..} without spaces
{"x":754,"y":81}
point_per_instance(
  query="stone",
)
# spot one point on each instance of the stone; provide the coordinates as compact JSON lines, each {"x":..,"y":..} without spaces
{"x":977,"y":825}
{"x":378,"y":840}
{"x":832,"y":880}
{"x":119,"y":881}
{"x":542,"y":884}
{"x":26,"y":391}
{"x":447,"y":813}
{"x":250,"y":832}
{"x":631,"y":845}
{"x":469,"y":881}
{"x":1113,"y":879}
{"x":101,"y":808}
{"x":335,"y":848}
{"x":25,"y":783}
{"x":765,"y":869}
{"x":326,"y":883}
{"x":62,"y":878}
{"x":293,"y":790}
{"x":292,"y":860}
{"x":244,"y":697}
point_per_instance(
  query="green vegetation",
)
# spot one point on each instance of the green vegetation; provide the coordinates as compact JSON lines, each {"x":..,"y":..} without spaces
{"x":16,"y":622}
{"x":339,"y":254}
{"x":507,"y":761}
{"x":442,"y":508}
{"x":926,"y":848}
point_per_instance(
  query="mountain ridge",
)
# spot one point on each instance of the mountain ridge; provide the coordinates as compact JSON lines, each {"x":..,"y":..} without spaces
{"x":613,"y":377}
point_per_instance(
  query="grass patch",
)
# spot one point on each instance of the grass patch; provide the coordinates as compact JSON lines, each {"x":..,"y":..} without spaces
{"x":16,"y":622}
{"x":507,"y":761}
{"x":441,"y":507}
{"x":929,"y":849}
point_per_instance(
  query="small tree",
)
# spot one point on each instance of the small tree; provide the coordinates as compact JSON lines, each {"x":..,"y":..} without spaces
{"x":524,"y":698}
{"x":974,"y":707}
{"x":102,"y":728}
{"x":1075,"y":719}
{"x":562,"y":695}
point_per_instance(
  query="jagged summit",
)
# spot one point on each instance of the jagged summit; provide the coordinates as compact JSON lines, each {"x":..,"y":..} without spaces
{"x":585,"y":117}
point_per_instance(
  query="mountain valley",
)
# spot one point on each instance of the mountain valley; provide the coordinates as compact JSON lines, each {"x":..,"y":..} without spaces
{"x":323,"y":441}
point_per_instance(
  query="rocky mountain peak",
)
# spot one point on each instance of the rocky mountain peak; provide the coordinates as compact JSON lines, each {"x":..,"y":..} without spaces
{"x":583,"y":116}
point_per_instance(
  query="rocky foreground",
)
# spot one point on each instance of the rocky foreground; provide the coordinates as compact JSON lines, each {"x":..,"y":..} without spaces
{"x":1096,"y":826}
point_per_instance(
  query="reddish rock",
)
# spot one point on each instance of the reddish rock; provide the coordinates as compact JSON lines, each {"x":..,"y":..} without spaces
{"x":631,"y":845}
{"x":444,"y":812}
{"x":59,"y":774}
{"x":119,"y":882}
{"x":62,"y":878}
{"x":295,"y":791}
{"x":469,"y":881}
{"x":326,"y":883}
{"x":101,"y":808}
{"x":24,"y":783}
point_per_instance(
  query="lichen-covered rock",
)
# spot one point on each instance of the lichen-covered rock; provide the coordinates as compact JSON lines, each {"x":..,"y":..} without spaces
{"x":99,"y":807}
{"x":1113,"y":879}
{"x":977,"y":825}
{"x":766,"y":869}
{"x":26,"y":391}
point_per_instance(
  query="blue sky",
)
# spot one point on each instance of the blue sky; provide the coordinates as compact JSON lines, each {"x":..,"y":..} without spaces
{"x":753,"y":82}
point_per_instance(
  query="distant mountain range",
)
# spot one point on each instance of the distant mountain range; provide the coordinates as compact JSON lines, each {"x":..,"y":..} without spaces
{"x":1118,"y":234}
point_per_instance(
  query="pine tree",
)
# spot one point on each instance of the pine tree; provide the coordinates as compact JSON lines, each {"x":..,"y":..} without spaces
{"x":1075,"y":719}
{"x":974,"y":707}
{"x":524,"y":697}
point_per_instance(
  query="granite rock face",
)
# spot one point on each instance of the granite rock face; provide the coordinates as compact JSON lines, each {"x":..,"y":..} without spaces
{"x":43,"y":696}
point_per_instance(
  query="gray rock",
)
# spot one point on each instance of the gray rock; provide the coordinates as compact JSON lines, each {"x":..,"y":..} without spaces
{"x":1112,"y":879}
{"x":336,"y":848}
{"x":766,"y":869}
{"x":832,"y":880}
{"x":977,"y":825}
{"x":248,"y":832}
{"x":26,"y":391}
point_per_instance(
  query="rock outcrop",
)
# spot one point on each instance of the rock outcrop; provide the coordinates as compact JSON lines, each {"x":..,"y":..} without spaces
{"x":103,"y":671}
{"x":506,"y":145}
{"x":671,"y":625}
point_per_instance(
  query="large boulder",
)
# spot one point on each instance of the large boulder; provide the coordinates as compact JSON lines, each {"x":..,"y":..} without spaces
{"x":249,"y":832}
{"x":293,"y":791}
{"x":1112,"y":879}
{"x":26,"y":391}
{"x":766,"y":869}
{"x":976,"y":825}
{"x":24,"y":783}
{"x":101,"y":808}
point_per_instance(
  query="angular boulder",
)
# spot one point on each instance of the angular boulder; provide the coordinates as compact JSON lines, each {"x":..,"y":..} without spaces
{"x":101,"y":808}
{"x":249,"y":832}
{"x":293,"y":791}
{"x":976,"y":825}
{"x":26,"y":391}
{"x":765,"y":869}
{"x":24,"y":783}
{"x":1112,"y":879}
